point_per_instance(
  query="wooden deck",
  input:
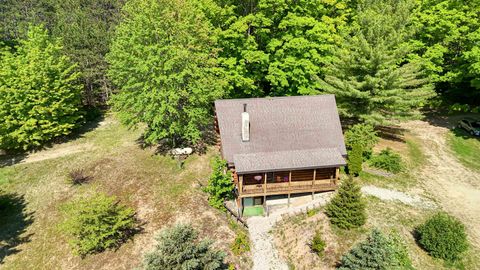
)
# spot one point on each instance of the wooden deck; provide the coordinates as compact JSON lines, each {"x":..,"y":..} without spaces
{"x":288,"y":187}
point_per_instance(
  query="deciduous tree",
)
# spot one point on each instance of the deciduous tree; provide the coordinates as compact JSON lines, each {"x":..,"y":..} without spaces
{"x":39,"y":92}
{"x":163,"y":62}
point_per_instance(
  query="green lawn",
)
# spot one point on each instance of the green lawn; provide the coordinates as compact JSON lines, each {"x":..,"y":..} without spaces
{"x":466,"y":148}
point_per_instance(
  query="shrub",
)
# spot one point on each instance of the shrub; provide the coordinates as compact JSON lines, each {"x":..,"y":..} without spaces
{"x":355,"y":160}
{"x":179,"y":248}
{"x":377,"y":252}
{"x":78,"y":177}
{"x":346,"y":210}
{"x":318,"y":245}
{"x":387,"y":160}
{"x":443,"y":236}
{"x":220,"y":185}
{"x":240,"y":244}
{"x":96,"y":223}
{"x":363,"y":134}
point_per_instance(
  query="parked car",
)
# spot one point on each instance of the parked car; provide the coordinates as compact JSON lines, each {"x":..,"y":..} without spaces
{"x":471,"y":125}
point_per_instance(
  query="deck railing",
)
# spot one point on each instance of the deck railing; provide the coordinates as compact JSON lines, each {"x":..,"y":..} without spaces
{"x":294,"y":186}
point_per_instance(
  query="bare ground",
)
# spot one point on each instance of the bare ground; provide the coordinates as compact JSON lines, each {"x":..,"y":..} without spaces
{"x":455,"y":187}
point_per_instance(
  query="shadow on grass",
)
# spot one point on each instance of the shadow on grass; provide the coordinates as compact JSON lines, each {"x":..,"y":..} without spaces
{"x":459,"y":132}
{"x":391,"y":133}
{"x":14,"y":220}
{"x":14,"y":157}
{"x":164,"y":146}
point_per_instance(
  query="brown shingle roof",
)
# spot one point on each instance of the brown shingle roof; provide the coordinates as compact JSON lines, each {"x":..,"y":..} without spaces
{"x":288,"y":160}
{"x":280,"y":124}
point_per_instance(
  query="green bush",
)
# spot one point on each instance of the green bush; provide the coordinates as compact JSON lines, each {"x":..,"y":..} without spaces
{"x":355,"y":160}
{"x":377,"y":252}
{"x":39,"y":92}
{"x":363,"y":134}
{"x":178,"y":248}
{"x":96,"y":223}
{"x":346,"y":210}
{"x":240,"y":244}
{"x":387,"y":160}
{"x":318,"y":245}
{"x":220,"y":185}
{"x":443,"y":236}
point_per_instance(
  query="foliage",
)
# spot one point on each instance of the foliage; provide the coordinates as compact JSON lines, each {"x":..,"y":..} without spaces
{"x":88,"y":48}
{"x":371,"y":75}
{"x":277,"y":48}
{"x":241,"y":244}
{"x":318,"y":245}
{"x":447,"y":42}
{"x":363,"y":134}
{"x":220,"y":185}
{"x":96,"y":223}
{"x":178,"y":248}
{"x":346,"y":210}
{"x":39,"y":92}
{"x":387,"y":160}
{"x":377,"y":252}
{"x":443,"y":236}
{"x":163,"y":61}
{"x":68,"y":20}
{"x":355,"y":160}
{"x":78,"y":177}
{"x":312,"y":212}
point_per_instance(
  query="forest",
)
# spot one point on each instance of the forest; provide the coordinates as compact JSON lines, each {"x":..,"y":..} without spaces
{"x":162,"y":63}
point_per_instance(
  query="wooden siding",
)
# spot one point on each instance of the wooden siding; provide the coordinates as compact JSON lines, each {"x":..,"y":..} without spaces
{"x":287,"y":182}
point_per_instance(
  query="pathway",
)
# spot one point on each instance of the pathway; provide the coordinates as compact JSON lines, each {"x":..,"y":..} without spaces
{"x":265,"y":256}
{"x":455,"y":187}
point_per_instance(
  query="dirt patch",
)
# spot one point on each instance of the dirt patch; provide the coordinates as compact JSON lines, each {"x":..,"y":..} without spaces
{"x":57,"y":152}
{"x":454,"y":186}
{"x":294,"y":235}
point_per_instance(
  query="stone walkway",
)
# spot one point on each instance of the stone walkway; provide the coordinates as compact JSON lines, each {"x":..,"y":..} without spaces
{"x":394,"y":195}
{"x":265,"y":256}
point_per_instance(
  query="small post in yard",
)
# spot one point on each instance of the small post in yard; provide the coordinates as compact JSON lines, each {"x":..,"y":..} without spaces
{"x":181,"y":154}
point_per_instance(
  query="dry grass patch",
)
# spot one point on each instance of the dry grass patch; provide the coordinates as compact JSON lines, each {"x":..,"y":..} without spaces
{"x":153,"y":185}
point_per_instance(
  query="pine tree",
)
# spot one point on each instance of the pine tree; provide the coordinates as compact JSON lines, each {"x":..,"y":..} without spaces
{"x":346,"y":210}
{"x":163,"y":61}
{"x":370,"y":75}
{"x":355,"y":159}
{"x":377,"y":252}
{"x":178,"y":248}
{"x":39,"y":92}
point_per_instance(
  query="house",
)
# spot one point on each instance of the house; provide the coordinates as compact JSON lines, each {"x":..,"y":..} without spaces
{"x":280,"y":145}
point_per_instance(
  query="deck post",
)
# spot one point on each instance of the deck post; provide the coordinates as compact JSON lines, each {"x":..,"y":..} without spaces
{"x":240,"y":184}
{"x":265,"y":185}
{"x":289,"y":199}
{"x":337,"y":174}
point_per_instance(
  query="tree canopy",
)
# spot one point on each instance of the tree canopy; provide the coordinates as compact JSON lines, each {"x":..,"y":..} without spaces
{"x":39,"y":92}
{"x":163,"y":62}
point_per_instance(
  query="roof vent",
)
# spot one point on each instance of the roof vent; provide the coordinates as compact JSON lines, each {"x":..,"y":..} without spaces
{"x":245,"y":124}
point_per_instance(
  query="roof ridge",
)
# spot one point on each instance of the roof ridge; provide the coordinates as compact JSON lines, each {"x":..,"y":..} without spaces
{"x":279,"y":97}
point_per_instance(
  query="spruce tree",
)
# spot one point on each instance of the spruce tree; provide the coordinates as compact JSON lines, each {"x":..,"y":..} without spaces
{"x":378,"y":251}
{"x":371,"y":75}
{"x":39,"y":92}
{"x":355,"y":159}
{"x":179,"y":248}
{"x":346,"y":210}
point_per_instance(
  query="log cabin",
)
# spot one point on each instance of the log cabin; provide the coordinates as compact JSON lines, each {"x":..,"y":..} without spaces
{"x":280,"y":146}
